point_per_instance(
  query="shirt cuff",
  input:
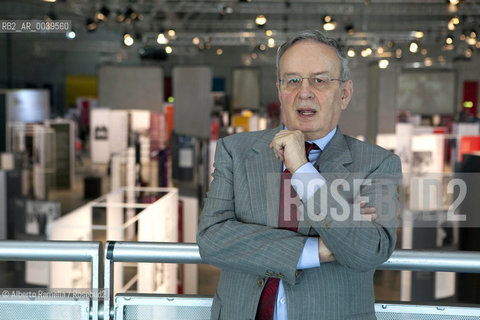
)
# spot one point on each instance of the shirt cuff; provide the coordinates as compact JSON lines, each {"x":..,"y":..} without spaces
{"x":306,"y":181}
{"x":309,"y":257}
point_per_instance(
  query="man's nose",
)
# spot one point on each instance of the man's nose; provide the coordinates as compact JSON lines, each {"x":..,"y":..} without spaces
{"x":306,"y":89}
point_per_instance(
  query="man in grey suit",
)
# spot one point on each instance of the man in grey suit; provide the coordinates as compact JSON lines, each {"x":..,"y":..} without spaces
{"x":316,"y":261}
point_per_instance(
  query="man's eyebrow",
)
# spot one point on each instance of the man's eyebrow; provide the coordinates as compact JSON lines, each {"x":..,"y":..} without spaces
{"x":311,"y":74}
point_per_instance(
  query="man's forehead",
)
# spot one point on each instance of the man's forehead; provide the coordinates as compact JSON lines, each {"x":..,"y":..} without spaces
{"x":317,"y":57}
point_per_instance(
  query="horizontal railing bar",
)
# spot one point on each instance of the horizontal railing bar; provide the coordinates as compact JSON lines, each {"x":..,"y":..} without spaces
{"x":17,"y":250}
{"x":423,"y":260}
{"x":166,"y":252}
{"x":413,"y":260}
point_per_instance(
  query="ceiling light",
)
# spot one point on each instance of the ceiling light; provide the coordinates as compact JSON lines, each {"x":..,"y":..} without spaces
{"x":254,"y":55}
{"x":454,"y":2}
{"x":428,"y":62}
{"x":268,"y":33}
{"x":473,"y":34}
{"x":71,"y":35}
{"x":91,"y":25}
{"x":196,"y":41}
{"x":171,"y":33}
{"x":448,"y":47}
{"x":128,"y":13}
{"x":452,"y":8}
{"x":350,"y":29}
{"x":271,"y":42}
{"x":419,"y":34}
{"x":452,"y":23}
{"x":424,"y":52}
{"x":161,"y":39}
{"x":329,"y":23}
{"x":219,"y":51}
{"x":449,"y":40}
{"x":380,"y":50}
{"x":168,"y":49}
{"x":102,"y":14}
{"x":329,"y":26}
{"x":351,"y":52}
{"x":477,"y":45}
{"x":468,"y":53}
{"x":366,"y":52}
{"x":50,"y":17}
{"x":451,"y":26}
{"x":49,"y":0}
{"x":398,"y":53}
{"x":262,"y":47}
{"x":128,"y":40}
{"x":471,"y":41}
{"x":383,"y":64}
{"x":120,"y":16}
{"x":413,"y":47}
{"x":260,"y":20}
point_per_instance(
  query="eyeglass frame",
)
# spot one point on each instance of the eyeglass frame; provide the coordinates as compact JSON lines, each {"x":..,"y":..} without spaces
{"x":310,"y":81}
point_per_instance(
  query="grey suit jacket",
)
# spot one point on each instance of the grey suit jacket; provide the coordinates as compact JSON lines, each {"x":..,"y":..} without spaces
{"x":238,"y":228}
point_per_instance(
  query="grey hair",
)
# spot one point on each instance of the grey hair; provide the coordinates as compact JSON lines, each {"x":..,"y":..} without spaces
{"x":317,"y":36}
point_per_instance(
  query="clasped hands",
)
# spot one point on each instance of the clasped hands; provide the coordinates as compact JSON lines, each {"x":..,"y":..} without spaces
{"x":289,"y":146}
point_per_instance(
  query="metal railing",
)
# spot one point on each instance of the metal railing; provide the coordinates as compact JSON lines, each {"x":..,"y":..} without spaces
{"x":124,"y":251}
{"x":188,"y":253}
{"x":413,"y":260}
{"x":12,"y":250}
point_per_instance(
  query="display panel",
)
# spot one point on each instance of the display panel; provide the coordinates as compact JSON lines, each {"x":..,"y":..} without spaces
{"x":246,"y":89}
{"x":425,"y":92}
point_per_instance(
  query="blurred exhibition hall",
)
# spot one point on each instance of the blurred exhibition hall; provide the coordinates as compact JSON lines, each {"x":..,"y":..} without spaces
{"x":110,"y":111}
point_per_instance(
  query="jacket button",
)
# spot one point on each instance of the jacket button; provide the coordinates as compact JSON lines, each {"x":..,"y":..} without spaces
{"x":260,"y":282}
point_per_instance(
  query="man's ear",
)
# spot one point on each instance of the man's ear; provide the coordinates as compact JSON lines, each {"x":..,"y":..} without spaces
{"x":347,"y":92}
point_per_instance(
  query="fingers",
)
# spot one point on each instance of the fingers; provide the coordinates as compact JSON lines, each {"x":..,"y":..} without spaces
{"x":277,"y":149}
{"x":289,"y":147}
{"x":368,"y":213}
{"x":370,"y":210}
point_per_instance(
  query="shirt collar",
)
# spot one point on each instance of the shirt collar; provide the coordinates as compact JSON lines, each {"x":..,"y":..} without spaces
{"x":322,"y":142}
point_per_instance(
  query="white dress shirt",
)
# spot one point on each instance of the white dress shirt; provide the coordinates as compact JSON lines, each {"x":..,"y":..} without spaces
{"x":309,"y":257}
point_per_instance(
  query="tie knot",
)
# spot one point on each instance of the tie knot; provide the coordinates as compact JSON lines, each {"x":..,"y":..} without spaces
{"x":309,"y":147}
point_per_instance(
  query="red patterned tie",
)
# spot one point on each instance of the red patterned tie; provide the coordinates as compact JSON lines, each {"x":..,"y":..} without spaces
{"x":266,"y":305}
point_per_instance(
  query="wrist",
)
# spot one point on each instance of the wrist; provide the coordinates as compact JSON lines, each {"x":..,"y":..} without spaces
{"x":295,"y":168}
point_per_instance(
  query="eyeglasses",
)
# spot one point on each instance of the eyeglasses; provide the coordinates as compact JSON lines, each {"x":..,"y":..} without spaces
{"x":294,"y":82}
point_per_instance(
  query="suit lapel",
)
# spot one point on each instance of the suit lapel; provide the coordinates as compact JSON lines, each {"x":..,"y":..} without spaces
{"x":336,"y":155}
{"x":263,"y":176}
